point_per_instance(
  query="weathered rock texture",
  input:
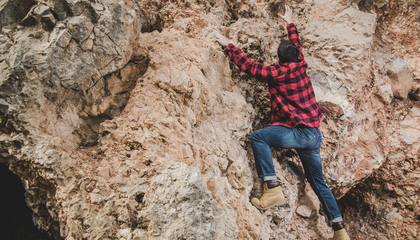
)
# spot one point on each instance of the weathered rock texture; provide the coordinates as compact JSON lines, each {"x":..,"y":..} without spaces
{"x":125,"y":120}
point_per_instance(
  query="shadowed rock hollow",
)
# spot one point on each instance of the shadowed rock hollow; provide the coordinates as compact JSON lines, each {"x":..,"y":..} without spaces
{"x":125,"y":120}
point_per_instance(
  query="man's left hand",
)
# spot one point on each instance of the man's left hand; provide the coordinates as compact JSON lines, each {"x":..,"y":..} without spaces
{"x":224,"y":41}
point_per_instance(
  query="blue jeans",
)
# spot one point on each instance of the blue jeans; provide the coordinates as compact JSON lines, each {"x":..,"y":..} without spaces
{"x":307,"y":142}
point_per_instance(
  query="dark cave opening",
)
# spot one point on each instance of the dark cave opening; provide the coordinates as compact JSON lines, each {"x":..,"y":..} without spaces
{"x":16,"y":217}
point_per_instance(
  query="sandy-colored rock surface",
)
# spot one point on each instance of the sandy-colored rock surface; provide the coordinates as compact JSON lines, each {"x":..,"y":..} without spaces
{"x":125,"y":120}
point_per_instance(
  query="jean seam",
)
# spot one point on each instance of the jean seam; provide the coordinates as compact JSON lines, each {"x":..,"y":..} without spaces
{"x":320,"y":194}
{"x":323,"y":199}
{"x":316,"y":142}
{"x":319,"y":144}
{"x":267,"y":175}
{"x":297,"y":139}
{"x":262,"y":137}
{"x":300,"y":129}
{"x":265,"y":140}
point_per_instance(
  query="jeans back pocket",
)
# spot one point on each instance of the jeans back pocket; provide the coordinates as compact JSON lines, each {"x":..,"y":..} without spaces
{"x":304,"y":135}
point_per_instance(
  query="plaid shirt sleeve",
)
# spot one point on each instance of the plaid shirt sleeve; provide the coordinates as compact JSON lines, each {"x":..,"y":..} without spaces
{"x":294,"y":38}
{"x":255,"y":69}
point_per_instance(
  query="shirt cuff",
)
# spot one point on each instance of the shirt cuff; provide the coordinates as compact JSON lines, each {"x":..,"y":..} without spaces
{"x":229,"y":47}
{"x":290,"y":25}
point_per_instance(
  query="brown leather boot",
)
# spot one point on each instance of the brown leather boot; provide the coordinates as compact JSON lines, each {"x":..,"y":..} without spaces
{"x":340,"y":235}
{"x":270,"y":198}
{"x":339,"y":232}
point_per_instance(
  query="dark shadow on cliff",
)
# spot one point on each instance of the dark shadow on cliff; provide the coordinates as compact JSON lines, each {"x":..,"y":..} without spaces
{"x":16,"y":217}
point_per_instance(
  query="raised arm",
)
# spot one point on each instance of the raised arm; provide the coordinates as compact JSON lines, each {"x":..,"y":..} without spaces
{"x":294,"y":37}
{"x":255,"y":69}
{"x":258,"y":70}
{"x":291,"y":29}
{"x":293,"y":34}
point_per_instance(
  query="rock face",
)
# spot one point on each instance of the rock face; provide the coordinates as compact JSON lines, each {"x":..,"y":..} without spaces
{"x":193,"y":217}
{"x":125,"y":120}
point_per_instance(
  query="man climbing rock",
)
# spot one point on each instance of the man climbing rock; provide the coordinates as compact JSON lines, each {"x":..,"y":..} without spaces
{"x":295,"y":118}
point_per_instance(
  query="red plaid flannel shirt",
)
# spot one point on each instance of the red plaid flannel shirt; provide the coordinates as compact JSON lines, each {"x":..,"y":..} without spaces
{"x":293,"y":102}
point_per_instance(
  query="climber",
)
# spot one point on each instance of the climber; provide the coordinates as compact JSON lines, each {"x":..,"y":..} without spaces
{"x":295,"y":118}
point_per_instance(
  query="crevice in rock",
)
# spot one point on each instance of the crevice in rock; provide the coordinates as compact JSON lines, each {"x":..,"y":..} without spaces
{"x":385,"y":202}
{"x":366,"y":5}
{"x":354,"y":210}
{"x":61,"y":8}
{"x":115,"y":89}
{"x":233,"y":9}
{"x":139,"y":198}
{"x":16,"y":217}
{"x":56,"y":16}
{"x":13,"y":11}
{"x":89,"y":130}
{"x":275,"y":7}
{"x":150,"y":22}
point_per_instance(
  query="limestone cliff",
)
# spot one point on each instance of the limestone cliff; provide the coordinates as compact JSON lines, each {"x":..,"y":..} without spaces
{"x":125,"y":120}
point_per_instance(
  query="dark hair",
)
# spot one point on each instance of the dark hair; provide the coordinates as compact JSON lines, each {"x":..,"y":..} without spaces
{"x":288,"y":52}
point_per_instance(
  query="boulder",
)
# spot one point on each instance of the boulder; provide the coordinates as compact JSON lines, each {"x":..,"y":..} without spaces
{"x":80,"y":28}
{"x":410,"y":127}
{"x":401,"y":77}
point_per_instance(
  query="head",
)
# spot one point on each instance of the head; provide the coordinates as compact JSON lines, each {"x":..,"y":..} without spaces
{"x":288,"y":52}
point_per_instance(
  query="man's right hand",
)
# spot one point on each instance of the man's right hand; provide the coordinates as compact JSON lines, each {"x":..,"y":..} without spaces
{"x":287,"y":15}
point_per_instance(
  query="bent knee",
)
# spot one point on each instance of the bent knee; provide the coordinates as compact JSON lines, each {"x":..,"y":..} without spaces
{"x":255,"y":136}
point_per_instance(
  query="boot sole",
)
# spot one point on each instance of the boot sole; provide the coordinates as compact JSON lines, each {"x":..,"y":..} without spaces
{"x":281,"y":203}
